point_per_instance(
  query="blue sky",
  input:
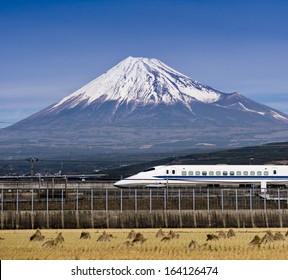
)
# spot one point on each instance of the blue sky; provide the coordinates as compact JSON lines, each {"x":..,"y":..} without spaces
{"x":49,"y":49}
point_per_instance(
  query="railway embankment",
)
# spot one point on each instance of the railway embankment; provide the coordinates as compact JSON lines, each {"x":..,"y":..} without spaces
{"x":84,"y":204}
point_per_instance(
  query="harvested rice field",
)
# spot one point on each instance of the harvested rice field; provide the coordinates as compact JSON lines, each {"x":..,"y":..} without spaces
{"x":144,"y":244}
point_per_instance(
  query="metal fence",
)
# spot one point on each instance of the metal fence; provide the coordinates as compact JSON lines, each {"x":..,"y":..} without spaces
{"x":33,"y":199}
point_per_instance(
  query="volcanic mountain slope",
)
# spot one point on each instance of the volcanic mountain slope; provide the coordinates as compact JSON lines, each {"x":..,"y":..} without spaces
{"x":143,"y":103}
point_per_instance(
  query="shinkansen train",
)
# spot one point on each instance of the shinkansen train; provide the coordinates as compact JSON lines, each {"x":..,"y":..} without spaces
{"x":192,"y":175}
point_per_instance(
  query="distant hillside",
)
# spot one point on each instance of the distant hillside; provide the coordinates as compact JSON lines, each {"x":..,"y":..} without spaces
{"x":274,"y":153}
{"x":83,"y":163}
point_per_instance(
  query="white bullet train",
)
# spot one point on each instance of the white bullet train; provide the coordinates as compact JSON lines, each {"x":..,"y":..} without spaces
{"x":191,"y":175}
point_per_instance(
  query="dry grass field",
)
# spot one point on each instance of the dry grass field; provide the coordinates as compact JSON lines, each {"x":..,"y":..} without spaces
{"x":113,"y":244}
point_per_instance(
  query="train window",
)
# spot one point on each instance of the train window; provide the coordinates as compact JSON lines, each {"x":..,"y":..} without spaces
{"x":190,"y":173}
{"x":252,"y":173}
{"x":225,"y":173}
{"x":245,"y":173}
{"x":197,"y":173}
{"x":211,"y":173}
{"x":238,"y":173}
{"x":173,"y":171}
{"x":184,"y":173}
{"x":266,"y":173}
{"x":259,"y":173}
{"x":218,"y":173}
{"x":149,"y":169}
{"x":167,"y":171}
{"x":274,"y":172}
{"x":204,"y":173}
{"x":232,"y":173}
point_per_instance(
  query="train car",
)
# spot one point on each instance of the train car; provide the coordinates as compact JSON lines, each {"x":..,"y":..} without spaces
{"x":192,"y":175}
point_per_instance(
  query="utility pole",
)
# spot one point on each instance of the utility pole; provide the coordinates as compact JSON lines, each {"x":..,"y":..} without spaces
{"x":32,"y":162}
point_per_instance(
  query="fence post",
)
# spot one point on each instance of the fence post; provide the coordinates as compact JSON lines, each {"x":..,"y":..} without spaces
{"x":265,"y":206}
{"x":150,"y":200}
{"x":106,"y":200}
{"x":121,"y":201}
{"x":279,"y":204}
{"x":193,"y":200}
{"x":47,"y":207}
{"x":47,"y":199}
{"x":236,"y":197}
{"x":208,"y":200}
{"x":62,"y":208}
{"x":251,"y":206}
{"x":32,"y":208}
{"x":165,"y":206}
{"x":92,"y":208}
{"x":62,"y":200}
{"x":66,"y":187}
{"x":92,"y":199}
{"x":77,"y":197}
{"x":17,"y":200}
{"x":179,"y":200}
{"x":2,"y":200}
{"x":52,"y":190}
{"x":32,"y":201}
{"x":135,"y":198}
{"x":39,"y":181}
{"x":222,"y":200}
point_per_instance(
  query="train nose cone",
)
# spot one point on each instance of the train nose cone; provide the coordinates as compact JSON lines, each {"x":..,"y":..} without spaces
{"x":120,"y":184}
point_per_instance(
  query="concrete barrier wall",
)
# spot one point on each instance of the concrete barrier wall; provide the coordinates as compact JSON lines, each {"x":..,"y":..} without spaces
{"x":144,"y":219}
{"x":57,"y":183}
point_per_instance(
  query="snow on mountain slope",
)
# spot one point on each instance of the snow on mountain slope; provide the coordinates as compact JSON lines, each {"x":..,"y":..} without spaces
{"x":142,"y":102}
{"x":150,"y":82}
{"x":141,"y":80}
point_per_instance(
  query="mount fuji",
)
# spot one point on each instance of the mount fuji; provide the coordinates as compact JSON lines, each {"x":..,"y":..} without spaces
{"x":143,"y":104}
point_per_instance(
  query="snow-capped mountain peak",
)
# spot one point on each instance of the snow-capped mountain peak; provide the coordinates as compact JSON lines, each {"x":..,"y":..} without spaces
{"x":141,"y":104}
{"x":141,"y":80}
